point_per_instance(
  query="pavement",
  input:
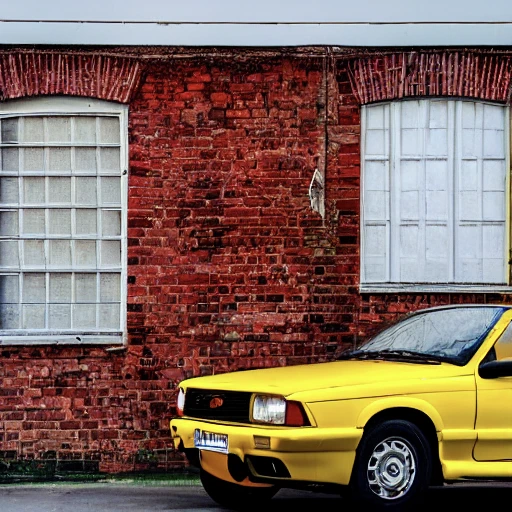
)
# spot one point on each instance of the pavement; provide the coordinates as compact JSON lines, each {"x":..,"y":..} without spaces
{"x":129,"y":497}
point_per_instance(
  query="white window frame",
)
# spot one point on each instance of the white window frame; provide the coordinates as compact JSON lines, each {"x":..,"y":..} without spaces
{"x":75,"y":106}
{"x":397,"y":287}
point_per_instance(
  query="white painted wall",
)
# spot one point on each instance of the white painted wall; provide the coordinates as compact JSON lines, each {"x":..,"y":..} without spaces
{"x":285,"y":11}
{"x":262,"y":23}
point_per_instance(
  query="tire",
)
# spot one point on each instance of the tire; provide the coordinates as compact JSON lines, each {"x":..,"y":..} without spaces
{"x":233,"y":496}
{"x":393,"y":467}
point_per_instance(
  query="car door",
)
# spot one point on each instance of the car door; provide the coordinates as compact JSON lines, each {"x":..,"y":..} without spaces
{"x":494,"y":406}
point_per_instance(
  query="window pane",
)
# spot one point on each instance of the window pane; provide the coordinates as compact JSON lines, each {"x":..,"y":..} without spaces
{"x":468,"y":177}
{"x":494,"y":206}
{"x":33,"y":159}
{"x":33,"y":129}
{"x":9,"y":289}
{"x":376,"y":205}
{"x":59,"y":316}
{"x":34,"y":288}
{"x":10,"y":159}
{"x":60,"y":222}
{"x":9,"y":316}
{"x":494,"y":175}
{"x":84,"y":316}
{"x":375,"y":261}
{"x":494,"y":144}
{"x":59,"y":190}
{"x":437,"y":198}
{"x":109,"y":130}
{"x":85,"y":253}
{"x":110,"y":160}
{"x":376,"y":176}
{"x":8,"y":223}
{"x":60,"y":287}
{"x":437,"y":129}
{"x":60,"y":160}
{"x":110,"y":287}
{"x":9,"y":191}
{"x":59,"y":129}
{"x":60,"y":253}
{"x":85,"y":129}
{"x":470,"y":143}
{"x":111,"y":223}
{"x":493,"y":250}
{"x":110,"y":316}
{"x":86,"y":222}
{"x":33,"y":316}
{"x":377,"y":133}
{"x":33,"y":222}
{"x":111,"y":190}
{"x":85,"y":287}
{"x":86,"y":191}
{"x":9,"y":255}
{"x":10,"y":130}
{"x":110,"y":254}
{"x":33,"y":190}
{"x":33,"y":251}
{"x":437,"y":242}
{"x":85,"y":160}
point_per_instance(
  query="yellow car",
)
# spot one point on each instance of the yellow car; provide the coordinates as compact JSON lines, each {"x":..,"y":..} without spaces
{"x":428,"y":400}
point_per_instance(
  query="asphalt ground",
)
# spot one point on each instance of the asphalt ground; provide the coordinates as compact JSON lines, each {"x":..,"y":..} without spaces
{"x":129,"y":497}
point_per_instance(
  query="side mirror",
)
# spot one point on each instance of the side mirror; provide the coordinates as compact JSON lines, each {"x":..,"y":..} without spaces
{"x":495,"y":369}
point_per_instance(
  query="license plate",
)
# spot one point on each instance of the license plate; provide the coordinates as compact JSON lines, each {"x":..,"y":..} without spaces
{"x":211,"y":441}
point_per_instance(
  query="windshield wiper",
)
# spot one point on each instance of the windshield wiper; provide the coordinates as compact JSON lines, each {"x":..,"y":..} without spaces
{"x":393,"y":355}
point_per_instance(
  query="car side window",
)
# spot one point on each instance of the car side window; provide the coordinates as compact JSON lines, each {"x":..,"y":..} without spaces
{"x":503,"y":347}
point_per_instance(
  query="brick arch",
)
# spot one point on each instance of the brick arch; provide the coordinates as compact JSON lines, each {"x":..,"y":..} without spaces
{"x":36,"y":73}
{"x":449,"y":73}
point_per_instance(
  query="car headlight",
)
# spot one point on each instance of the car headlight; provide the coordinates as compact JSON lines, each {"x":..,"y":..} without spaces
{"x":269,"y":409}
{"x":276,"y":410}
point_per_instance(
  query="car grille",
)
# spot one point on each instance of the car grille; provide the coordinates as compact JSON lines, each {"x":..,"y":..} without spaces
{"x":218,"y":405}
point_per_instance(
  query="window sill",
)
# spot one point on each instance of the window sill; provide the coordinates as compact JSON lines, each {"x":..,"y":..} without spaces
{"x":433,"y":288}
{"x":65,"y":339}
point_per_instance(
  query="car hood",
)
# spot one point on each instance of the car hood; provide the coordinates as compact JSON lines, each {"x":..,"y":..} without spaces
{"x":384,"y":376}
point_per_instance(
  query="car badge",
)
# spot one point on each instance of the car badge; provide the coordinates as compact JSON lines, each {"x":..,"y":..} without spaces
{"x":215,"y":402}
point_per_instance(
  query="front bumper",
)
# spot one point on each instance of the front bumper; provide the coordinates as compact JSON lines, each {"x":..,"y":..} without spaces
{"x":309,"y":454}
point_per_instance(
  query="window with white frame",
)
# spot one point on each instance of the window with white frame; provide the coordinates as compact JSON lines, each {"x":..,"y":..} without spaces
{"x":434,"y":193}
{"x":62,"y":221}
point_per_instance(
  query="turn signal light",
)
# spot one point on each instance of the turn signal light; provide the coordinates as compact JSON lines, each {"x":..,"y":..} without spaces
{"x":295,"y":415}
{"x":262,"y":442}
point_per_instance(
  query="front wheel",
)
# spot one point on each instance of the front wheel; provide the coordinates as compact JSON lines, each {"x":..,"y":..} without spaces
{"x":393,"y":466}
{"x":234,"y":496}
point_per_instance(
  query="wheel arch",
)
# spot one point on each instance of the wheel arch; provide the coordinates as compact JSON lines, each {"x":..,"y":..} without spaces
{"x":392,"y":407}
{"x":425,"y":418}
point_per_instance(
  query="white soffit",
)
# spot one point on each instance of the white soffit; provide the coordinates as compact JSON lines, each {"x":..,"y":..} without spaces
{"x":262,"y":23}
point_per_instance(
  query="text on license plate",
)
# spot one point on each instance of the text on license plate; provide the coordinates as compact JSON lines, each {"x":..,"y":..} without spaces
{"x":211,"y":441}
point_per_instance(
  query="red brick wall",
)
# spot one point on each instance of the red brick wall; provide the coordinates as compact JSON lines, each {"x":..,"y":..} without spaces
{"x":225,"y":253}
{"x":228,"y":266}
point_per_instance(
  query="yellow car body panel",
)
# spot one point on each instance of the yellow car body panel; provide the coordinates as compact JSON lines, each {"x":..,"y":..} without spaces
{"x":327,"y":381}
{"x":308,"y":453}
{"x":341,"y":398}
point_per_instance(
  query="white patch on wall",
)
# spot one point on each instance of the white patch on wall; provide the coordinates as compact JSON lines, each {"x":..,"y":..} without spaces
{"x":317,"y":193}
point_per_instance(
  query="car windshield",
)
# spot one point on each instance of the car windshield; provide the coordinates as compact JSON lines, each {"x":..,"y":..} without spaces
{"x":452,"y":335}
